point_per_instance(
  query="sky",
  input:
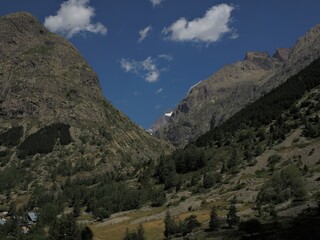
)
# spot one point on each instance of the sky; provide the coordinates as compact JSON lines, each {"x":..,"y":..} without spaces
{"x":148,"y":53}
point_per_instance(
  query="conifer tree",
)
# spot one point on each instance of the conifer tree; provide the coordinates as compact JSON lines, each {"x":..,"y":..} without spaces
{"x":169,"y":225}
{"x":232,"y":217}
{"x":214,"y":223}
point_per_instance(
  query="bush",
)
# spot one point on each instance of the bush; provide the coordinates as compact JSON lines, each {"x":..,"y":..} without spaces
{"x":189,"y":159}
{"x":273,"y":160}
{"x":137,"y":235}
{"x":64,"y":228}
{"x":170,"y":226}
{"x":283,"y":185}
{"x":210,"y":179}
{"x":189,"y":224}
{"x":158,"y":198}
{"x":183,"y":227}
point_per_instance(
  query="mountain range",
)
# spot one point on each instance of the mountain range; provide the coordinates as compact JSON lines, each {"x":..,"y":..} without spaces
{"x":247,"y":151}
{"x":212,"y":101}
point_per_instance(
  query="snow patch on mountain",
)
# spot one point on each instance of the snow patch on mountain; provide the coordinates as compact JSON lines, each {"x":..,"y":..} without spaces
{"x":169,"y":114}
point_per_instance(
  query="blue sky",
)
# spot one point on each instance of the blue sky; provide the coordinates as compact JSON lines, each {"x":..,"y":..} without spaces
{"x":148,"y":53}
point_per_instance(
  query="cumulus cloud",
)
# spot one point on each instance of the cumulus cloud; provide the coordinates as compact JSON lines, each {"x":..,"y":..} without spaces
{"x":144,"y":33}
{"x":210,"y":28}
{"x":147,"y":69}
{"x":73,"y":17}
{"x":156,"y":2}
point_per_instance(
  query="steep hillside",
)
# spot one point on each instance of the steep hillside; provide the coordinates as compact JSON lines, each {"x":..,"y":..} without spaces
{"x":52,"y":108}
{"x":214,"y":100}
{"x":263,"y":162}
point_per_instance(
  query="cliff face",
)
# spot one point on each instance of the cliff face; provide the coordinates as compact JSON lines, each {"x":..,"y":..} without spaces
{"x":215,"y":99}
{"x":44,"y":80}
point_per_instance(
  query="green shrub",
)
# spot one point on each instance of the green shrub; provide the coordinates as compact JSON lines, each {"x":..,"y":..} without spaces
{"x":210,"y":179}
{"x":283,"y":185}
{"x":273,"y":160}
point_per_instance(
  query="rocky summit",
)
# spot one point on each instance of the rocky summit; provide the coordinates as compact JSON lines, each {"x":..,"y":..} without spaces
{"x":51,"y":103}
{"x":214,"y":100}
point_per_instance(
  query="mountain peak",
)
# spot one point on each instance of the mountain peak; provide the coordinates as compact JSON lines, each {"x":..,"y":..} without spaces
{"x":261,"y":59}
{"x":22,"y":23}
{"x":236,"y":85}
{"x":254,"y":56}
{"x":281,"y":54}
{"x":44,"y":80}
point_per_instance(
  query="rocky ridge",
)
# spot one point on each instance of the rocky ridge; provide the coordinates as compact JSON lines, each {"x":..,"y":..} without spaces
{"x":44,"y":80}
{"x":214,"y":100}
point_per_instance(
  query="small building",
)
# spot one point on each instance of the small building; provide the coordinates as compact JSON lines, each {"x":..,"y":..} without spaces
{"x":32,"y":218}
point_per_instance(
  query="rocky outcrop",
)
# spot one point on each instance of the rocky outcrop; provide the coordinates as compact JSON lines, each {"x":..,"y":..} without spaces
{"x":214,"y":100}
{"x":281,"y":54}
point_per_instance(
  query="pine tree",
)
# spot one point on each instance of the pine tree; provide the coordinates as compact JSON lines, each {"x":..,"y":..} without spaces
{"x":169,"y":225}
{"x":214,"y":223}
{"x":64,"y":228}
{"x":232,"y":217}
{"x":86,"y":234}
{"x":140,"y":232}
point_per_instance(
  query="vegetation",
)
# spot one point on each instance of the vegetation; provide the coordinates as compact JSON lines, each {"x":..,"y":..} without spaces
{"x":267,"y":108}
{"x":136,"y":235}
{"x":12,"y":176}
{"x":173,"y":228}
{"x":209,"y":162}
{"x":273,"y":160}
{"x":283,"y":185}
{"x":211,"y":179}
{"x":232,"y":217}
{"x":66,"y":228}
{"x":214,"y":223}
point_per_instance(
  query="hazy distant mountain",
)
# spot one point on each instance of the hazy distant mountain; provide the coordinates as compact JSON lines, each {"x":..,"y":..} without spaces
{"x":214,"y":100}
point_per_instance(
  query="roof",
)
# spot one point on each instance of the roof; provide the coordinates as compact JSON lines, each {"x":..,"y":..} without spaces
{"x":2,"y":221}
{"x":33,"y":216}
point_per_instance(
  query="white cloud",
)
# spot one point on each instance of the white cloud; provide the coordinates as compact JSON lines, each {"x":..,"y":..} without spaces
{"x":159,"y":91}
{"x":150,"y":67}
{"x":210,"y":28}
{"x":166,"y":57}
{"x":147,"y":69}
{"x":144,"y":33}
{"x":129,"y":65}
{"x":234,"y":35}
{"x":73,"y":17}
{"x":156,"y":2}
